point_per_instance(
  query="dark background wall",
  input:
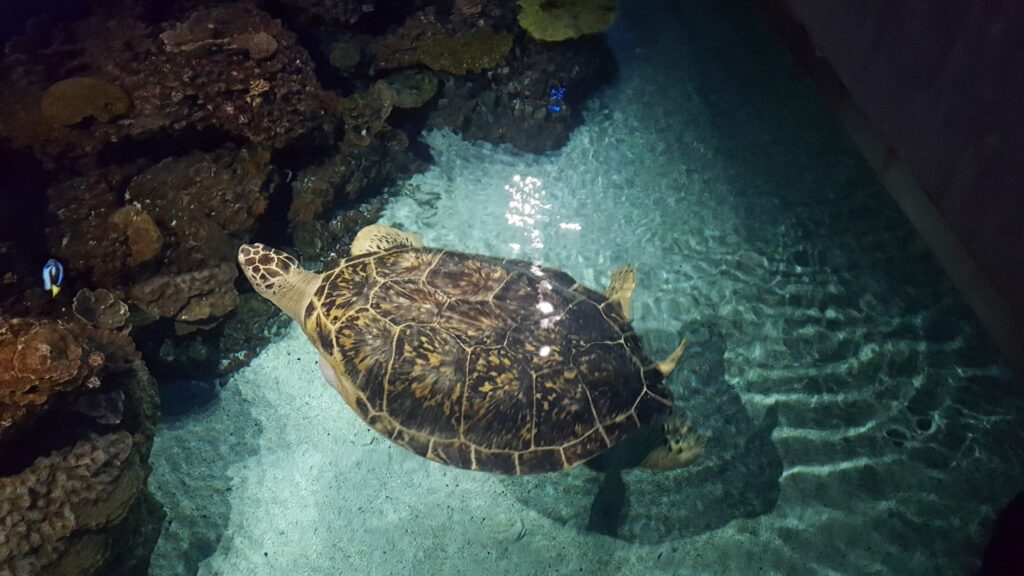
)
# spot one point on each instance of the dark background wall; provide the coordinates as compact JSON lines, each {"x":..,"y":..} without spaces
{"x":943,"y":85}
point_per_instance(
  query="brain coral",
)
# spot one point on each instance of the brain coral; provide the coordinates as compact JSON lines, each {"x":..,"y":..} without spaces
{"x":45,"y":509}
{"x":72,"y":100}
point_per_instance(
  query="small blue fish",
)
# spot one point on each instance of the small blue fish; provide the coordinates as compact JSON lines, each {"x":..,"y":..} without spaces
{"x":556,"y":98}
{"x":53,"y":276}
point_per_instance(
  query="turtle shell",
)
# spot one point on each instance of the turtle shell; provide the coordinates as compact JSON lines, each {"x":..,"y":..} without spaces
{"x":483,"y":363}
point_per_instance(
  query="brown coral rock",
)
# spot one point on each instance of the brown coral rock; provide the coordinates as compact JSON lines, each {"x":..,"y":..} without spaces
{"x":364,"y":114}
{"x":225,"y":187}
{"x":207,"y":28}
{"x":144,"y":237}
{"x":187,"y":213}
{"x":82,"y":236}
{"x":196,"y":76}
{"x":189,"y":297}
{"x":48,"y":511}
{"x":216,"y":56}
{"x":260,"y":45}
{"x":100,"y":308}
{"x":413,"y":88}
{"x":314,"y":188}
{"x":47,"y":366}
{"x":72,"y":100}
{"x":40,"y":361}
{"x":37,"y":359}
{"x":74,"y":502}
{"x":467,"y":7}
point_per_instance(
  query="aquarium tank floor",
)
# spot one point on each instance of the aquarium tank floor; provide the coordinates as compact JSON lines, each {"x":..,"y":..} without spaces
{"x":858,"y":420}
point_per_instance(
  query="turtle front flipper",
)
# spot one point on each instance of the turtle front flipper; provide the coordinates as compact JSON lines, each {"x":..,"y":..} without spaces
{"x":381,"y":238}
{"x":667,"y":365}
{"x":620,"y":289}
{"x":682,"y":446}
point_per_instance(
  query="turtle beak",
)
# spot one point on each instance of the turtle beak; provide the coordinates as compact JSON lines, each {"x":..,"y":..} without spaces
{"x":54,"y":289}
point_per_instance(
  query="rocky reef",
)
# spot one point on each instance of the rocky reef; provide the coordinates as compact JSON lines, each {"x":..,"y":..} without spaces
{"x":144,"y":142}
{"x":78,"y":410}
{"x":165,"y":140}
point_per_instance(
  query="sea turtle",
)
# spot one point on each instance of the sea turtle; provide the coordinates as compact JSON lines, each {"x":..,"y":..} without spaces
{"x":482,"y":363}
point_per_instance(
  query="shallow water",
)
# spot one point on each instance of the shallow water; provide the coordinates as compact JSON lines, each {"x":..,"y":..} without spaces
{"x":858,"y":420}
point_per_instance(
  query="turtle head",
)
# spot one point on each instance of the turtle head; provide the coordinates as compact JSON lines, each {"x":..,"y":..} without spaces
{"x":278,"y":277}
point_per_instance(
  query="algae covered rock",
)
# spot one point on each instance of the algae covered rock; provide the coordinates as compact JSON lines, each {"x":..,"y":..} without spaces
{"x":413,"y":88}
{"x":473,"y":51}
{"x":425,"y":41}
{"x":345,"y":55}
{"x":556,"y":20}
{"x":72,"y":100}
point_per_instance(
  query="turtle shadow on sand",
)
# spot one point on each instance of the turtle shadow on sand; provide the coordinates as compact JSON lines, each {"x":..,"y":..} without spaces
{"x":193,"y":478}
{"x":736,"y":477}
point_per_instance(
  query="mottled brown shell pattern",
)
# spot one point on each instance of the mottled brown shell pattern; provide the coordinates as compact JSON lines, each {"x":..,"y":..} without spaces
{"x":482,"y":363}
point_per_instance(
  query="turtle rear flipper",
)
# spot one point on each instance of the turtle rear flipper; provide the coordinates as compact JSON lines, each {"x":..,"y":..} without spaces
{"x":381,"y":238}
{"x":682,"y":446}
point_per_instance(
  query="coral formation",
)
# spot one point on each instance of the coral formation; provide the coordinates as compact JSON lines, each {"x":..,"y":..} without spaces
{"x":189,"y":297}
{"x":52,"y":511}
{"x":218,"y":54}
{"x":193,"y":210}
{"x":422,"y":40}
{"x":72,"y":100}
{"x":37,"y":361}
{"x":218,"y":29}
{"x":78,"y":410}
{"x":222,"y":189}
{"x":473,"y":51}
{"x":137,"y":209}
{"x":100,"y":308}
{"x":195,"y":76}
{"x":78,"y":488}
{"x":314,"y":187}
{"x":365,"y":114}
{"x":556,"y":20}
{"x":45,"y":364}
{"x":345,"y":54}
{"x":412,"y":88}
{"x":82,"y":236}
{"x":164,"y":236}
{"x":514,"y":107}
{"x":467,"y":7}
{"x":145,"y":241}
